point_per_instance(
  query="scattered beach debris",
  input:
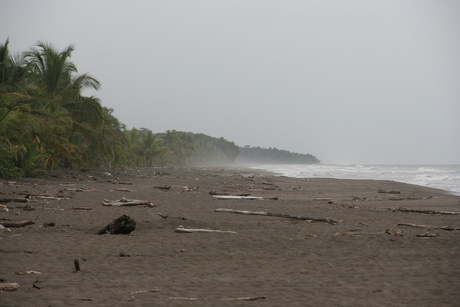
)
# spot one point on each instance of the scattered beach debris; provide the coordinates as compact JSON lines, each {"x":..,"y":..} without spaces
{"x":127,"y":202}
{"x":17,"y":224}
{"x":122,"y":225}
{"x":449,"y":228}
{"x":183,"y":298}
{"x":9,"y":286}
{"x":190,"y":189}
{"x":248,"y":298}
{"x":425,"y":211}
{"x":295,"y":217}
{"x":189,"y":230}
{"x":388,"y":191}
{"x":164,"y":188}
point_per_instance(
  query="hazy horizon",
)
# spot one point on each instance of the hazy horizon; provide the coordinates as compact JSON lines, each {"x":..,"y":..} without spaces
{"x":350,"y":82}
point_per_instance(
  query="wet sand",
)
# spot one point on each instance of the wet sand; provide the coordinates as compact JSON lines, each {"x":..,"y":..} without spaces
{"x":368,"y":258}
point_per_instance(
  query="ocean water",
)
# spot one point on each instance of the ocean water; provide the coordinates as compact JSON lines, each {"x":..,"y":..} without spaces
{"x":445,"y":177}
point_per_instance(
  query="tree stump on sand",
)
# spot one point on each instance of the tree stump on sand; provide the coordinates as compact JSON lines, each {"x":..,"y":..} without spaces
{"x":122,"y":225}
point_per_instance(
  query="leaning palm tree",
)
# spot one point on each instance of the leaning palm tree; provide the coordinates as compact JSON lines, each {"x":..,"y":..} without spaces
{"x":58,"y":91}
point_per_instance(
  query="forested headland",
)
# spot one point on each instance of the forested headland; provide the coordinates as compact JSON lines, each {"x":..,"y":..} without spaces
{"x":46,"y":122}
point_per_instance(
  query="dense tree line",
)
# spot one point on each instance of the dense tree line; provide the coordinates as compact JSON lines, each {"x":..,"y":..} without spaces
{"x":46,"y":122}
{"x":258,"y":155}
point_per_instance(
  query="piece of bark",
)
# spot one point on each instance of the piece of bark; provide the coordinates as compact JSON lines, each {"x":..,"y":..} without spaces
{"x":122,"y":225}
{"x":296,"y":217}
{"x":14,"y":200}
{"x":190,"y":230}
{"x":388,"y":191}
{"x":12,"y":286}
{"x":127,"y":202}
{"x":449,"y":228}
{"x":426,"y":211}
{"x":17,"y":224}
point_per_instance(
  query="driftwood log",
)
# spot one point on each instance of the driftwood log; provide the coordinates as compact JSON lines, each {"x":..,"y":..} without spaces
{"x":426,"y":211}
{"x":122,"y":225}
{"x":190,"y":230}
{"x":127,"y":202}
{"x":248,"y":298}
{"x":17,"y":224}
{"x":15,"y":200}
{"x":162,"y":187}
{"x":296,"y":217}
{"x":244,"y":197}
{"x":449,"y":228}
{"x":12,"y":286}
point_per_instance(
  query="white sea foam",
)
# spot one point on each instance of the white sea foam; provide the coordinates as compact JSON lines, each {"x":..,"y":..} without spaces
{"x":445,"y":177}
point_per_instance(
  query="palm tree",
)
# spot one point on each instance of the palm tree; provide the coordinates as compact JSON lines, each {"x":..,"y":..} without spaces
{"x":58,"y":91}
{"x":181,"y":145}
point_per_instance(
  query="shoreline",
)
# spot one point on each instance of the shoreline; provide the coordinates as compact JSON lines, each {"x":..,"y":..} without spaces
{"x":372,"y":257}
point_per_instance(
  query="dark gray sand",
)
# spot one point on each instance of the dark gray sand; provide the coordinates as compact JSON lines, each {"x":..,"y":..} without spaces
{"x":367,"y":259}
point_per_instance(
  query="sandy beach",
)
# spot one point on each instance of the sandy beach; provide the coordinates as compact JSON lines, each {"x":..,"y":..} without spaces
{"x":339,"y":243}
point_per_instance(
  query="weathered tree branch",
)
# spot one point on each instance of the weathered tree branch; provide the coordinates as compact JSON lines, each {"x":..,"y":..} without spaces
{"x":189,"y":230}
{"x":296,"y":217}
{"x":426,"y":211}
{"x":127,"y":202}
{"x":450,"y":228}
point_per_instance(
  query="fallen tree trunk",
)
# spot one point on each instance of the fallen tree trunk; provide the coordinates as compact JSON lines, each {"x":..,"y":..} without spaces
{"x":17,"y":224}
{"x":189,"y":230}
{"x":450,"y":228}
{"x":296,"y":217}
{"x":426,"y":211}
{"x":127,"y":202}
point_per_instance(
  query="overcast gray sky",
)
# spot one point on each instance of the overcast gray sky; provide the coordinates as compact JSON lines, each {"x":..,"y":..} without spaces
{"x":348,"y":81}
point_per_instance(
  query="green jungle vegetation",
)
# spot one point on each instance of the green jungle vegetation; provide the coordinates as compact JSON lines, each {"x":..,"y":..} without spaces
{"x":46,"y":122}
{"x":257,"y":155}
